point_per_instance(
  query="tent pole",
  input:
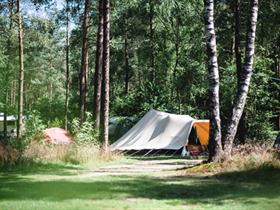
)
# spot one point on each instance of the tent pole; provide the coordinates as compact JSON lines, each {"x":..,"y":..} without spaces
{"x":135,"y":152}
{"x":156,"y":152}
{"x":125,"y":152}
{"x":148,"y":152}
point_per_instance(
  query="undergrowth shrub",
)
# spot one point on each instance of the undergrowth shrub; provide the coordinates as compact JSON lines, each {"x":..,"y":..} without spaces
{"x":12,"y":152}
{"x":8,"y":155}
{"x":34,"y":128}
{"x":81,"y":154}
{"x":73,"y":153}
{"x":32,"y":147}
{"x":244,"y":158}
{"x":56,"y":123}
{"x":85,"y":133}
{"x":33,"y":131}
{"x":250,"y":156}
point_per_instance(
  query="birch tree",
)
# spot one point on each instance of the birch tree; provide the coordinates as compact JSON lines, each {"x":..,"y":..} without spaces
{"x":216,"y":151}
{"x":215,"y":146}
{"x":238,"y":62}
{"x":246,"y":75}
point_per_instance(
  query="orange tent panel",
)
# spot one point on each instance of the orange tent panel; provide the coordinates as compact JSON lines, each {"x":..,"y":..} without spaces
{"x":202,"y":129}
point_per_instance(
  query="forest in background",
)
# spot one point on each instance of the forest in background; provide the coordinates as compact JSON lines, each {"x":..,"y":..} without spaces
{"x":157,"y":60}
{"x":90,"y":66}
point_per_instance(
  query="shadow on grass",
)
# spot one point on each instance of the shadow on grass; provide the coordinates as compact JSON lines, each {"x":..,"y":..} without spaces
{"x":176,"y":190}
{"x":165,"y":157}
{"x":37,"y":167}
{"x":155,"y":157}
{"x":262,"y":175}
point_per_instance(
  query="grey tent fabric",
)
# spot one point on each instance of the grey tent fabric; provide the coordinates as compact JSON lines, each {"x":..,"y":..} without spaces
{"x":157,"y":130}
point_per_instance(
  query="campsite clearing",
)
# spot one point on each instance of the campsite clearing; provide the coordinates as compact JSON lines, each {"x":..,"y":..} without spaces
{"x":138,"y":183}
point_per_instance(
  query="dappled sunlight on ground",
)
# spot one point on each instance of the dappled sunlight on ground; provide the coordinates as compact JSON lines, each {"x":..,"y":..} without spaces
{"x":60,"y":189}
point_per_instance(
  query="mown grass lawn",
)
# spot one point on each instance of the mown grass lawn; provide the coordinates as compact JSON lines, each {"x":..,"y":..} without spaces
{"x":54,"y":186}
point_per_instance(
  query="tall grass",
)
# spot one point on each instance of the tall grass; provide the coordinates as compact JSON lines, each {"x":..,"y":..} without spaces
{"x":77,"y":154}
{"x":8,"y":155}
{"x":251,"y":156}
{"x":244,"y":157}
{"x":33,"y":147}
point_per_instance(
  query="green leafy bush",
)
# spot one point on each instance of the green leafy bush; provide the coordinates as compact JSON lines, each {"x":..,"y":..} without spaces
{"x":56,"y":123}
{"x":34,"y":128}
{"x":85,"y":133}
{"x":32,"y":131}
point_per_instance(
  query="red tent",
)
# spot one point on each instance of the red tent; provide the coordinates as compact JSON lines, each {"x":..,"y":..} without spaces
{"x":57,"y":136}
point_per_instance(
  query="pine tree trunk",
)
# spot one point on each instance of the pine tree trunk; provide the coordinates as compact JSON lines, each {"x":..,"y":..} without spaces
{"x":67,"y":83}
{"x":11,"y":7}
{"x":242,"y":129}
{"x":106,"y":74}
{"x":151,"y":27}
{"x":177,"y":46}
{"x":13,"y":93}
{"x":98,"y":66}
{"x":84,"y":63}
{"x":126,"y":64}
{"x":277,"y":74}
{"x":5,"y":121}
{"x":245,"y":78}
{"x":215,"y":146}
{"x":21,"y":72}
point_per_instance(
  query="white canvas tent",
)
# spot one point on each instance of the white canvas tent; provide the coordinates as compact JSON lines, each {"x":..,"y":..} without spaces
{"x":11,"y":123}
{"x":157,"y":130}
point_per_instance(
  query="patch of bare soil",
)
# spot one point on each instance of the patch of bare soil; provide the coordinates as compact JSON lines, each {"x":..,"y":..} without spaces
{"x":149,"y":167}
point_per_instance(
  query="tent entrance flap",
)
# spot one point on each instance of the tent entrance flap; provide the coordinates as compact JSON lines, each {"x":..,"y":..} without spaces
{"x":159,"y":130}
{"x":202,"y":128}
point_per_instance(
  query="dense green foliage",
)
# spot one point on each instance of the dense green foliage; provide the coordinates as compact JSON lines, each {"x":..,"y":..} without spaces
{"x":85,"y":133}
{"x":166,"y":68}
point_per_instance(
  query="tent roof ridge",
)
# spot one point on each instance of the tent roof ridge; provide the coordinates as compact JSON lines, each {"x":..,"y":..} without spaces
{"x":168,"y":113}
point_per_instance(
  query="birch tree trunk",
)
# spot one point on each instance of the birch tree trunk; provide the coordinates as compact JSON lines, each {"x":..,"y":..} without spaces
{"x":67,"y":83}
{"x":84,"y":63}
{"x":241,"y":130}
{"x":245,"y":78}
{"x":106,"y":74}
{"x":215,"y":146}
{"x":98,"y":66}
{"x":21,"y":72}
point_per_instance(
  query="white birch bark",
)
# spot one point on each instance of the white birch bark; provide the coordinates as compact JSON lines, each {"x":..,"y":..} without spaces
{"x":215,"y":146}
{"x":245,"y":78}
